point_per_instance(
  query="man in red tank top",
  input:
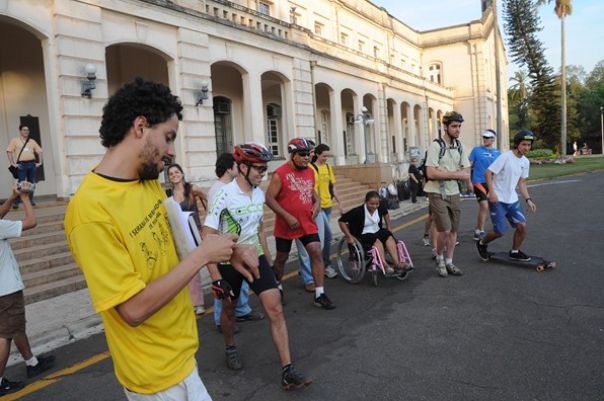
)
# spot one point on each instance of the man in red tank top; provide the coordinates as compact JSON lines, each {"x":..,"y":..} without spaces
{"x":292,"y":197}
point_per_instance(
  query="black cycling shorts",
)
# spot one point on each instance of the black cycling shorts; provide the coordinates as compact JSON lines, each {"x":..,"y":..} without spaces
{"x":481,"y":190}
{"x":267,"y":280}
{"x":285,"y":245}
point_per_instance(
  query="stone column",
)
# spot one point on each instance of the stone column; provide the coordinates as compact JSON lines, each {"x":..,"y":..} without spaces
{"x":359,"y":130}
{"x":336,"y":127}
{"x":411,"y":125}
{"x":253,"y":113}
{"x":398,"y":131}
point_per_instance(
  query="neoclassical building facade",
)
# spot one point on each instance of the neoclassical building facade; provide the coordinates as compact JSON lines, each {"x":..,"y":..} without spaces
{"x":344,"y":72}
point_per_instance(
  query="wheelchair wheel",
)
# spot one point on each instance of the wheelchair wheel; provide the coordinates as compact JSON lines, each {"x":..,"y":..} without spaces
{"x":351,"y":261}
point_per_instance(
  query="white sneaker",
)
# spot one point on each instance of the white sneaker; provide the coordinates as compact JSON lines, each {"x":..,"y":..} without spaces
{"x":426,"y":240}
{"x":330,"y":272}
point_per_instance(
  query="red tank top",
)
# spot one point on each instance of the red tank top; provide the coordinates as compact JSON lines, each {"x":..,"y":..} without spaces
{"x":296,"y":196}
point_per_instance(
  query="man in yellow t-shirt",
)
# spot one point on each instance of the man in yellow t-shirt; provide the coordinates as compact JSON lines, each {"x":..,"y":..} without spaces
{"x":25,"y":154}
{"x":325,"y":186}
{"x":119,"y":235}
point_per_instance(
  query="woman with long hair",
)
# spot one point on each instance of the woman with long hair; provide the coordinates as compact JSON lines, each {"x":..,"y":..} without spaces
{"x":191,"y":199}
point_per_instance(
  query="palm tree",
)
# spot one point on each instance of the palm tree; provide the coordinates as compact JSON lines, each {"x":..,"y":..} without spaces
{"x":520,"y":91}
{"x":562,"y":9}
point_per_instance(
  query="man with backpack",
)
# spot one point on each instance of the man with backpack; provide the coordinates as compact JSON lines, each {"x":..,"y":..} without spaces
{"x":446,"y":163}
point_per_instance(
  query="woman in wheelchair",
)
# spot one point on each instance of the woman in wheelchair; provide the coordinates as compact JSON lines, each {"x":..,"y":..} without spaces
{"x":365,"y":223}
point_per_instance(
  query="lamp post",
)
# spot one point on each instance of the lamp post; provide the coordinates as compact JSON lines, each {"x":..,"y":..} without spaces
{"x":602,"y":126}
{"x":366,"y":119}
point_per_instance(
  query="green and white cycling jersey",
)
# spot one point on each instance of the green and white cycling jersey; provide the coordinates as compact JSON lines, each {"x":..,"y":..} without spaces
{"x":233,"y":211}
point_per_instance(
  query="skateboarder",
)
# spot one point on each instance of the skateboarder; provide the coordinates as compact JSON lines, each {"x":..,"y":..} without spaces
{"x":511,"y":169}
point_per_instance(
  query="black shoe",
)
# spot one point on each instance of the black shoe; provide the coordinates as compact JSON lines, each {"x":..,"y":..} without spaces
{"x":292,"y":380}
{"x":520,"y":256}
{"x":323,"y":302}
{"x":482,"y":251}
{"x":232,"y":359}
{"x":44,"y":363}
{"x":250,"y":317}
{"x":15,"y":206}
{"x":7,"y":386}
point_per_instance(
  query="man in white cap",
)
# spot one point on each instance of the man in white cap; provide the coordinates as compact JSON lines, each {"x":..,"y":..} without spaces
{"x":481,"y":158}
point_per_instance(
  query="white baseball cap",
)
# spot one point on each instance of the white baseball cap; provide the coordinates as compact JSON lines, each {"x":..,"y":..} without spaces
{"x":489,"y":134}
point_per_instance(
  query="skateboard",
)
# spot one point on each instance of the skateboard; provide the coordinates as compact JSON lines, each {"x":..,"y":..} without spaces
{"x":536,"y":262}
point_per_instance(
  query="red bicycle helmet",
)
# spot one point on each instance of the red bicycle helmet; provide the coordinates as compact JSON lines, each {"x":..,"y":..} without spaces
{"x":300,"y":145}
{"x":249,"y":153}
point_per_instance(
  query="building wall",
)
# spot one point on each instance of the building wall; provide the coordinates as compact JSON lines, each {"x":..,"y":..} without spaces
{"x":178,"y":42}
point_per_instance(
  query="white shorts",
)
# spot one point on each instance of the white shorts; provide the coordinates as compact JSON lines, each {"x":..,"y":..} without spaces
{"x":190,"y":389}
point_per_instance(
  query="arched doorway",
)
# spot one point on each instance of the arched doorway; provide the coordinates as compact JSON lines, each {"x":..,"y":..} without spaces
{"x":273,"y":96}
{"x":227,"y":86}
{"x":23,"y":100}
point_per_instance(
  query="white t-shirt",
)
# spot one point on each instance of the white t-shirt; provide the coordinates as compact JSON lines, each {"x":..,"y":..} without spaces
{"x":10,"y":277}
{"x":233,"y":211}
{"x":508,"y":169}
{"x":372,"y":221}
{"x":214,"y":190}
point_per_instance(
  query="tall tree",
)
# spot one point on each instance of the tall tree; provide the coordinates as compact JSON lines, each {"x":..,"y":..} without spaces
{"x":522,"y":25}
{"x":519,"y":94}
{"x":562,"y":8}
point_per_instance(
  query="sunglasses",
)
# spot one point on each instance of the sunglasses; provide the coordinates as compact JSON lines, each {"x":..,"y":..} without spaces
{"x":303,"y":154}
{"x":261,"y":169}
{"x":488,"y":137}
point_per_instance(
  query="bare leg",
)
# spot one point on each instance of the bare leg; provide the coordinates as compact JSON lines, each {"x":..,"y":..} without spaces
{"x":4,"y":351}
{"x":519,"y":235}
{"x":483,"y":212}
{"x":451,"y":240}
{"x":279,"y":264}
{"x":380,"y":248}
{"x":22,"y":344}
{"x":271,"y":302}
{"x":316,"y":259}
{"x":227,"y":322}
{"x":391,"y":248}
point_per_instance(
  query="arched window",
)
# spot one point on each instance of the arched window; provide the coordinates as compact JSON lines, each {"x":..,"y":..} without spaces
{"x":434,"y":73}
{"x":223,"y":124}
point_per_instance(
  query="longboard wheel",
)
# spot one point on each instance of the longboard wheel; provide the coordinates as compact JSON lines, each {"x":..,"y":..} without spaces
{"x":540,"y":268}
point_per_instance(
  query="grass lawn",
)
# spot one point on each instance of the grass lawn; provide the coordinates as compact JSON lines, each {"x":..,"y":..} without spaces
{"x":583,"y":164}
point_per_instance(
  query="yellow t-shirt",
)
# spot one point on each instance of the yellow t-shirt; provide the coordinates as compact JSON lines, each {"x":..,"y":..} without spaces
{"x":323,"y":177}
{"x":29,"y":151}
{"x":119,"y":235}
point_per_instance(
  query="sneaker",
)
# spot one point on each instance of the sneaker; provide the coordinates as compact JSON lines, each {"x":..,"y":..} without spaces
{"x":441,"y":268}
{"x":232,"y":359}
{"x":434,"y":253}
{"x":199,"y":309}
{"x":250,"y":317}
{"x":426,"y":240}
{"x":453,"y":270}
{"x":310,"y":287}
{"x":330,"y":272}
{"x":7,"y":386}
{"x":519,"y":255}
{"x":292,"y":380}
{"x":44,"y":363}
{"x":478,"y":235}
{"x":482,"y":251}
{"x":323,"y":302}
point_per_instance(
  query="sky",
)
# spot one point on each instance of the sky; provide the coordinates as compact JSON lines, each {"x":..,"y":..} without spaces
{"x":584,"y":28}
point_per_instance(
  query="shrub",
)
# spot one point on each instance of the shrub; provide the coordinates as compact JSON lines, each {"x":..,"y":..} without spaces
{"x":540,"y":154}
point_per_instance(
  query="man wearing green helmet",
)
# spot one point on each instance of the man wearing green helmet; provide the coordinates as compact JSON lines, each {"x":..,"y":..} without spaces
{"x":506,"y":173}
{"x":446,"y":163}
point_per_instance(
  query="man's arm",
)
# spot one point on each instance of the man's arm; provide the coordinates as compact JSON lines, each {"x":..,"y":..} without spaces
{"x":492,"y":196}
{"x":11,"y":158}
{"x":161,"y":291}
{"x":20,"y":190}
{"x":525,"y":195}
{"x":271,"y":200}
{"x":438,"y":173}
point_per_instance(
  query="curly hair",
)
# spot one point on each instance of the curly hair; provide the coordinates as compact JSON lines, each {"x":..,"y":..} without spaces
{"x":152,"y":100}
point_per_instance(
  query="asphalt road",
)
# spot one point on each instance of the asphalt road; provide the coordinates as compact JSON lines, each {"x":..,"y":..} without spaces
{"x":497,"y":333}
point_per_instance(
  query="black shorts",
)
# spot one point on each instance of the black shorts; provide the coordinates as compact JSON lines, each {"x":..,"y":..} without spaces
{"x":285,"y":245}
{"x":267,"y":280}
{"x":481,"y":190}
{"x":367,"y":240}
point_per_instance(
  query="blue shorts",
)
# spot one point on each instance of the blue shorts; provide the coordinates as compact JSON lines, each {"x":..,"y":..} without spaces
{"x":500,"y":212}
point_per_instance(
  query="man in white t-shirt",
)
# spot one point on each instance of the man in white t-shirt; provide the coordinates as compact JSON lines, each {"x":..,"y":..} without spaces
{"x":226,"y":171}
{"x":511,"y":169}
{"x":12,"y":305}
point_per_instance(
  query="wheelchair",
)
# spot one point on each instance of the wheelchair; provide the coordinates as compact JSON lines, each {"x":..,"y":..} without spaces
{"x":354,"y":261}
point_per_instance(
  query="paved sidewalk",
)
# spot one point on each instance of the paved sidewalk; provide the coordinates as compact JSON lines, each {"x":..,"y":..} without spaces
{"x":62,"y":320}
